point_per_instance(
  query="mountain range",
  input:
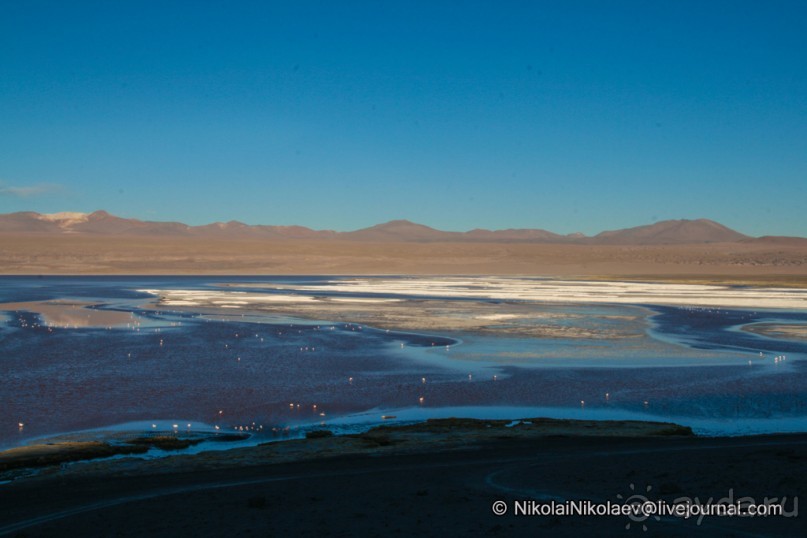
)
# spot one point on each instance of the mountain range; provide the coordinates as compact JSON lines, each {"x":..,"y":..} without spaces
{"x":103,"y":223}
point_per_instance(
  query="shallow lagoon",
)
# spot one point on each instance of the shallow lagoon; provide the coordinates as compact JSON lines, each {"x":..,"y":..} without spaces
{"x":255,"y":365}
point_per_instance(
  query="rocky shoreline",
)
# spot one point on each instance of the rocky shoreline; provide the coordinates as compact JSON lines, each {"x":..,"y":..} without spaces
{"x":433,"y":434}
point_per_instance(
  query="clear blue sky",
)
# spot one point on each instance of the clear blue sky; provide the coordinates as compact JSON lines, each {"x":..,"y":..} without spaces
{"x":569,"y":116}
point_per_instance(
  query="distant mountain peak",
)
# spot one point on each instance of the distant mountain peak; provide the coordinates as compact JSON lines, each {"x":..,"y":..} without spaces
{"x":679,"y":231}
{"x":229,"y":224}
{"x":101,"y":214}
{"x":398,"y":224}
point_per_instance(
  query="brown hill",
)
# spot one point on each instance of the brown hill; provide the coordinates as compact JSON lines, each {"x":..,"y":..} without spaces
{"x":98,"y":222}
{"x":400,"y":230}
{"x":671,"y":232}
{"x":27,"y":221}
{"x":101,"y":222}
{"x":515,"y":235}
{"x":779,"y":240}
{"x":396,"y":231}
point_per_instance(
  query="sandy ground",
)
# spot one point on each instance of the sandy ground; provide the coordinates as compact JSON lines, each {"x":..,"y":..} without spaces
{"x":438,"y":479}
{"x":42,"y":254}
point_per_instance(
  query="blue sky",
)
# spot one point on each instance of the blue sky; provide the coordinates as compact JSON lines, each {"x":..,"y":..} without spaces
{"x":568,"y":116}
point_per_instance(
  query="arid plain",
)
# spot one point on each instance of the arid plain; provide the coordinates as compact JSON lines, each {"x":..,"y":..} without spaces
{"x":101,"y":243}
{"x":758,"y":262}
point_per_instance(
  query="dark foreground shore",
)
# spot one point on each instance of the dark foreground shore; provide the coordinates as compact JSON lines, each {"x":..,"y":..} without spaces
{"x":440,"y":478}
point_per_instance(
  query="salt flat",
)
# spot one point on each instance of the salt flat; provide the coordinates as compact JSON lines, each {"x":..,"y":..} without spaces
{"x":520,"y":289}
